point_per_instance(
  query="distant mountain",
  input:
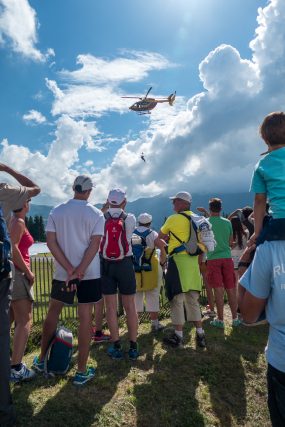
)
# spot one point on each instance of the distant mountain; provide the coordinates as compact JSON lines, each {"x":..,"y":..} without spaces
{"x":160,"y":206}
{"x":41,"y":210}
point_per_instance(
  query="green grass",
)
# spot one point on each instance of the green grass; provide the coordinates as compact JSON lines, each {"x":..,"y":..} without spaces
{"x":223,"y":385}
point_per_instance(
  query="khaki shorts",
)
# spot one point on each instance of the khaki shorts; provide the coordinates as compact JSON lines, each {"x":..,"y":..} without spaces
{"x":191,"y":301}
{"x":21,"y":287}
{"x":151,"y":300}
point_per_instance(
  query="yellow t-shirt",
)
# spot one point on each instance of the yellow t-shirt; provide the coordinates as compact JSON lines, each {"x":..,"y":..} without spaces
{"x":180,"y":226}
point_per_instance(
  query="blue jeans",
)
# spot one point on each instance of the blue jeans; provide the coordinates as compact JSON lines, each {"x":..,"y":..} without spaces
{"x":276,"y":396}
{"x":7,"y":415}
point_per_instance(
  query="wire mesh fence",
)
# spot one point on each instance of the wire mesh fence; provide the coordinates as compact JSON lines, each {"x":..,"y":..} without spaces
{"x":43,"y":268}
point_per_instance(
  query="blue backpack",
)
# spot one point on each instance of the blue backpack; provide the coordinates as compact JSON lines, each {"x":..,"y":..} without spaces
{"x":141,"y":262}
{"x":58,"y":356}
{"x":5,"y":248}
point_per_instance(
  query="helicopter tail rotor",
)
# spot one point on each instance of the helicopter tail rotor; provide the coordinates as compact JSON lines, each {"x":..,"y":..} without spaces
{"x":171,"y":98}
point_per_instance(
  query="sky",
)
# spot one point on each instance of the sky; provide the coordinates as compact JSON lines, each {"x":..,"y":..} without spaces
{"x":65,"y":66}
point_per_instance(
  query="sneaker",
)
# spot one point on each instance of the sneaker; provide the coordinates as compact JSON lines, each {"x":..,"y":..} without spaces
{"x":133,"y":353}
{"x":81,"y":378}
{"x":217,"y":323}
{"x":201,"y":340}
{"x":115,"y":352}
{"x":174,"y":341}
{"x":24,"y":374}
{"x":209,"y":313}
{"x":100,"y":338}
{"x":236,"y":322}
{"x":37,"y":365}
{"x":157,"y":328}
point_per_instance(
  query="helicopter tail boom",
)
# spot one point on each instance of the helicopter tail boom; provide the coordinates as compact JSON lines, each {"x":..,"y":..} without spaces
{"x":171,"y":98}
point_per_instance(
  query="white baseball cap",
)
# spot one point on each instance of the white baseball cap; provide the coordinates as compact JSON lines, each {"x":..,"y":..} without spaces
{"x":183,"y":195}
{"x":116,"y":196}
{"x":144,"y":218}
{"x":83,"y":183}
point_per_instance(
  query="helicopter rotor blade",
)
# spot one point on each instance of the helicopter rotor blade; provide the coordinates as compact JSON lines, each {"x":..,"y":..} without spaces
{"x":134,"y":97}
{"x":148,"y":92}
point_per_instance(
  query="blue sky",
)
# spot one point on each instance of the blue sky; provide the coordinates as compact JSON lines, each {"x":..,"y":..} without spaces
{"x":65,"y":65}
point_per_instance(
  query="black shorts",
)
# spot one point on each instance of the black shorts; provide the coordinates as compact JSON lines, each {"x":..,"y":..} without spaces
{"x":88,"y":291}
{"x":118,"y":275}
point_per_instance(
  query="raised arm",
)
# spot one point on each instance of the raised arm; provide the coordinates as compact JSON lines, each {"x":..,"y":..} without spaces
{"x":203,"y":211}
{"x":33,"y":189}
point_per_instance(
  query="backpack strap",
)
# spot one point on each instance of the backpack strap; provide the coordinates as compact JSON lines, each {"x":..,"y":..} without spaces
{"x":181,"y":247}
{"x":46,"y":372}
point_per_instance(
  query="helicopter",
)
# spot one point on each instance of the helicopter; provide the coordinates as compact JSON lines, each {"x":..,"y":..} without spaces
{"x":146,"y":104}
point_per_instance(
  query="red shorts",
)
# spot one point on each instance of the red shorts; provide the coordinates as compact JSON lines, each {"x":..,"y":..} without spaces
{"x":220,"y":273}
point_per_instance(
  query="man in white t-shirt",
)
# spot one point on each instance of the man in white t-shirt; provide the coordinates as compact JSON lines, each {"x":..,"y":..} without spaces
{"x":74,"y":230}
{"x":118,"y":272}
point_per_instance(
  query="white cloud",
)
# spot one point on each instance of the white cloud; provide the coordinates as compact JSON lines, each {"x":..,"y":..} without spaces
{"x":132,"y":67}
{"x":209,"y":144}
{"x":56,"y":171}
{"x":34,"y":117}
{"x":18,"y":26}
{"x":94,"y":89}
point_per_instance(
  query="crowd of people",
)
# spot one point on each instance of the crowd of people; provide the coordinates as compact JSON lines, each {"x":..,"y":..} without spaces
{"x":99,"y":254}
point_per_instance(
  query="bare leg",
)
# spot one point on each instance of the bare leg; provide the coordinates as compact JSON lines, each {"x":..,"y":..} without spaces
{"x":111,"y":315}
{"x":22,"y":311}
{"x":209,"y":292}
{"x":50,"y":325}
{"x":84,"y":334}
{"x":99,"y":314}
{"x":219,"y":297}
{"x":153,"y":315}
{"x":232,"y":297}
{"x":132,"y":317}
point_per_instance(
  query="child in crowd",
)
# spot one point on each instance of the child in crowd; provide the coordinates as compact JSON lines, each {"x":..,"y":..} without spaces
{"x":149,"y":281}
{"x":268,"y":181}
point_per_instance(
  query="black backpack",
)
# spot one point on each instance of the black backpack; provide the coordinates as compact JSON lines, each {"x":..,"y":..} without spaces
{"x":5,"y":248}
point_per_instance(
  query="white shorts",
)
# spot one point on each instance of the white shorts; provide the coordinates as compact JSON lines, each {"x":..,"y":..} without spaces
{"x":151,"y":300}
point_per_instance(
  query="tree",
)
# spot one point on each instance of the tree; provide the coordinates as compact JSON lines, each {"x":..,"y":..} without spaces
{"x":36,"y":228}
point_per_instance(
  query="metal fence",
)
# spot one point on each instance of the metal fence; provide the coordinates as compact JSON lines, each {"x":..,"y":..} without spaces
{"x":43,"y":268}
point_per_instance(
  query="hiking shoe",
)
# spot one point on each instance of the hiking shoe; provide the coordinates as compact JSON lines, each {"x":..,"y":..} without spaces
{"x":174,"y":341}
{"x":133,"y":353}
{"x":81,"y":378}
{"x":236,"y":322}
{"x":201,"y":340}
{"x":217,"y":323}
{"x":24,"y":374}
{"x":115,"y":352}
{"x":100,"y":338}
{"x":37,"y":365}
{"x":157,"y":328}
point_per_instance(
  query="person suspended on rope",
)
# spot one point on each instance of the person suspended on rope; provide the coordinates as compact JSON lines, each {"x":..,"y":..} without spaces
{"x":142,"y":157}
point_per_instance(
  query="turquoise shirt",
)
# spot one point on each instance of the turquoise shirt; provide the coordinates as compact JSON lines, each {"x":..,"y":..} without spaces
{"x":265,"y":278}
{"x":269,"y":178}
